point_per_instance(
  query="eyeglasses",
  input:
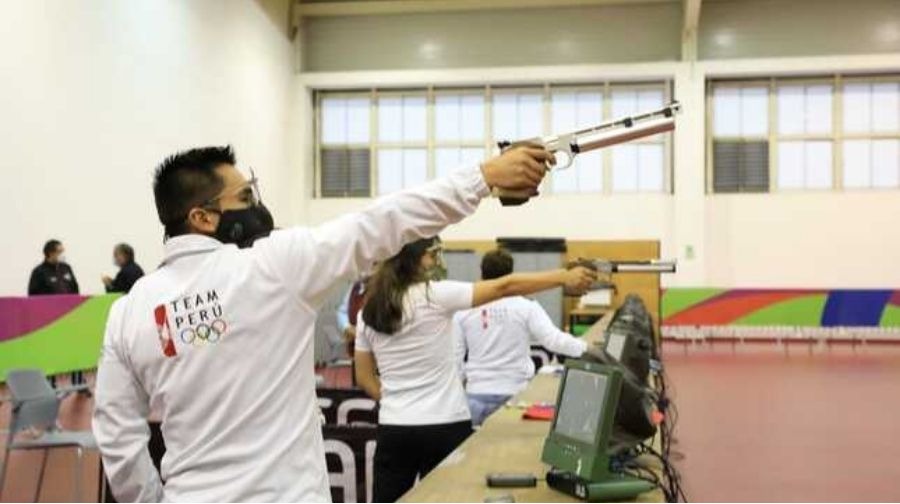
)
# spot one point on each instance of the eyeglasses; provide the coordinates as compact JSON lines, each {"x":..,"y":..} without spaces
{"x":436,"y":251}
{"x":248,"y":193}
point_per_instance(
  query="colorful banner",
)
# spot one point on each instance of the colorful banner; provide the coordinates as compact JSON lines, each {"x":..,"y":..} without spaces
{"x":63,"y":333}
{"x":347,"y":406}
{"x":781,"y":307}
{"x":53,"y":333}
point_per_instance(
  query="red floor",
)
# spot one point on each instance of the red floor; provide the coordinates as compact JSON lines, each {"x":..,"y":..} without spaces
{"x":59,"y":480}
{"x":766,"y":423}
{"x":757,"y":423}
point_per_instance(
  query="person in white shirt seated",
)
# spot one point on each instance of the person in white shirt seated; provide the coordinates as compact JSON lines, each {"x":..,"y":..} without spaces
{"x":405,"y":334}
{"x":493,"y":343}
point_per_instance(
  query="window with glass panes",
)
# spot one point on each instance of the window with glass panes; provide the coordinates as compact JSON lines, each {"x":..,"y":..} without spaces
{"x":871,"y":132}
{"x":638,"y":166}
{"x":459,"y":129}
{"x":371,"y":143}
{"x":401,"y":138}
{"x":574,"y":109}
{"x":344,"y":152}
{"x":740,"y":137}
{"x":804,"y":134}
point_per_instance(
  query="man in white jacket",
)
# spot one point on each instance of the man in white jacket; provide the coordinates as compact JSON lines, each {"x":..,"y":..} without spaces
{"x":493,"y":343}
{"x":218,"y":340}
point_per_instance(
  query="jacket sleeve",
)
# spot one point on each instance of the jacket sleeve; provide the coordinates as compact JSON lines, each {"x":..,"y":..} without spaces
{"x":120,"y":421}
{"x":118,"y":283}
{"x":545,"y":333}
{"x":74,"y":280}
{"x":311,"y":260}
{"x":125,"y":279}
{"x":35,"y":283}
{"x":132,"y":275}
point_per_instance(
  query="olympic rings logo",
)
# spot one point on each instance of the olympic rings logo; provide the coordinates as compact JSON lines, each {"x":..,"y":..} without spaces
{"x":204,"y":333}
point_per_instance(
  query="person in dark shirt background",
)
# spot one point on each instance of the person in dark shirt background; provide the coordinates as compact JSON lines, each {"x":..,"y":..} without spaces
{"x":129,"y":271}
{"x":53,"y":276}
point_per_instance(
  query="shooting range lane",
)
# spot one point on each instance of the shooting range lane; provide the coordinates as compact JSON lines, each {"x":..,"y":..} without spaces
{"x":505,"y":444}
{"x":758,"y":423}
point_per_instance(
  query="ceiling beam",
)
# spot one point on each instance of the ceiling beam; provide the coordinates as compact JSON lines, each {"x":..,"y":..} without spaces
{"x":691,"y":15}
{"x":689,"y":28}
{"x":375,"y":7}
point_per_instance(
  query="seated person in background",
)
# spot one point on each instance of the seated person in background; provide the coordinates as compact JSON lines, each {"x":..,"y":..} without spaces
{"x":405,"y":333}
{"x":348,"y":312}
{"x":54,"y":275}
{"x":347,"y":316}
{"x":129,"y":271}
{"x":497,"y":339}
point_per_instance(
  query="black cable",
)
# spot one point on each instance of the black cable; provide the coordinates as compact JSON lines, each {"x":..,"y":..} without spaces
{"x":670,"y":482}
{"x":671,"y":476}
{"x":652,"y":475}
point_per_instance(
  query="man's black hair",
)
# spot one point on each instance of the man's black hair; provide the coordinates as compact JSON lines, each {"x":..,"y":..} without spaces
{"x":186,"y":180}
{"x":50,"y":247}
{"x":126,"y":250}
{"x":495,"y":264}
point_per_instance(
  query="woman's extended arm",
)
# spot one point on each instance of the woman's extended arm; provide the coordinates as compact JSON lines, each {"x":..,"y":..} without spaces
{"x":577,"y":279}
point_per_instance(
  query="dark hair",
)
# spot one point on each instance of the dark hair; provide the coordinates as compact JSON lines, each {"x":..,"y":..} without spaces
{"x":186,"y":180}
{"x":383,"y":310}
{"x":51,"y":246}
{"x":126,"y":250}
{"x":495,"y":264}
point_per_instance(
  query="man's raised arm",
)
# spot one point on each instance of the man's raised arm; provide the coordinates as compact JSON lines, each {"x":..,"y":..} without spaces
{"x":311,"y":260}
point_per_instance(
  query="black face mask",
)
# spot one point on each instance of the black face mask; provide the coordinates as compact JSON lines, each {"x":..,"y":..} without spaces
{"x":245,"y":226}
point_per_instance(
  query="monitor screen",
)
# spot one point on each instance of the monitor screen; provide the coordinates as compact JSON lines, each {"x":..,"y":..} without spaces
{"x":615,"y":343}
{"x":581,"y":407}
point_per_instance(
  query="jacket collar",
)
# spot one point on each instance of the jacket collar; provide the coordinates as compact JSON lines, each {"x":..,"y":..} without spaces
{"x":189,"y":244}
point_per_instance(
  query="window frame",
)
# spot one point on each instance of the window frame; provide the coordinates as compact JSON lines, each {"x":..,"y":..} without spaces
{"x":434,"y":144}
{"x":666,"y":142}
{"x":871,"y":135}
{"x":836,"y":137}
{"x":319,"y":145}
{"x":711,"y":137}
{"x":488,"y":91}
{"x":606,"y":154}
{"x":377,"y":144}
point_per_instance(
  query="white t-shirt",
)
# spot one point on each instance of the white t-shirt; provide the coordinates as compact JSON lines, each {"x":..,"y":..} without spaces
{"x":420,"y":383}
{"x":497,"y":338}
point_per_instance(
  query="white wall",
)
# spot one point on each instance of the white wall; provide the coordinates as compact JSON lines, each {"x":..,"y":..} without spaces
{"x":813,"y":239}
{"x":810,"y":239}
{"x":778,"y":240}
{"x":94,"y":94}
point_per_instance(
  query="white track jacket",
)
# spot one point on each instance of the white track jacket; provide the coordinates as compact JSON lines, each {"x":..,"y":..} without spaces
{"x":219,"y":343}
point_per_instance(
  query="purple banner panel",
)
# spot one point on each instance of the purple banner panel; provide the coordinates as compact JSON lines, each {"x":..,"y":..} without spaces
{"x":22,"y":315}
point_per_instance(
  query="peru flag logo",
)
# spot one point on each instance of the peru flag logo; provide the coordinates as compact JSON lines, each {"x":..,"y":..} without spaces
{"x":165,"y":334}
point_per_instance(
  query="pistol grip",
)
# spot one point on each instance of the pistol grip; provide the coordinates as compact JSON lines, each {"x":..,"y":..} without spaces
{"x":512,"y":198}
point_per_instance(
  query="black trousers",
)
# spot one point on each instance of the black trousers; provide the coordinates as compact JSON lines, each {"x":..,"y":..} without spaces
{"x":404,"y":452}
